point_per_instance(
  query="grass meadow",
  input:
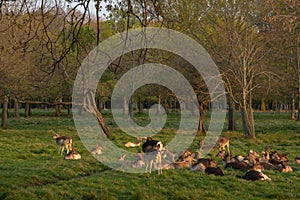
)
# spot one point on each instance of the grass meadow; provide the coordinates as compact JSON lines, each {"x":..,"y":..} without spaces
{"x":30,"y":167}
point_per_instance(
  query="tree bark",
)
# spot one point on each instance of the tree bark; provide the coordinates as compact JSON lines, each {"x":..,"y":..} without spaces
{"x":58,"y":106}
{"x":248,"y":122}
{"x":293,"y":109}
{"x":125,"y":107}
{"x":298,"y":117}
{"x":4,"y":112}
{"x":17,"y":109}
{"x":140,"y":106}
{"x":274,"y":106}
{"x":27,"y":109}
{"x":90,"y":106}
{"x":263,"y":105}
{"x":201,"y":130}
{"x":297,"y":62}
{"x":159,"y":105}
{"x":69,"y":109}
{"x":231,"y":115}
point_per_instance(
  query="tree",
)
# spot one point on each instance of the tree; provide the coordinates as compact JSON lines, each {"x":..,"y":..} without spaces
{"x":229,"y":31}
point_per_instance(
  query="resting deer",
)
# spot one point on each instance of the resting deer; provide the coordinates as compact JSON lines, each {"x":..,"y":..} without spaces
{"x":256,"y":174}
{"x":97,"y":150}
{"x":132,"y":144}
{"x":297,"y":159}
{"x":73,"y":155}
{"x":62,"y":143}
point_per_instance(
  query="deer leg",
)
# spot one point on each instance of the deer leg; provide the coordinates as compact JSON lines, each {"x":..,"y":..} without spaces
{"x":159,"y":168}
{"x":228,"y":148}
{"x":151,"y":162}
{"x":146,"y":167}
{"x":62,"y":150}
{"x":67,"y":147}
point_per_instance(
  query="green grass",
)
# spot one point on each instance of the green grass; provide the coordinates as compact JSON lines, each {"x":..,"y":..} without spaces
{"x":30,"y":167}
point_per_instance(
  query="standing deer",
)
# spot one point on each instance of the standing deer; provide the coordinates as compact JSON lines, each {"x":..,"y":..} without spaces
{"x":62,"y":143}
{"x":223,"y":142}
{"x":153,"y":152}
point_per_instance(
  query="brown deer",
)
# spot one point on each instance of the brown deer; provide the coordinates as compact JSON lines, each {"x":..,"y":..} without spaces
{"x":255,"y":173}
{"x":133,"y":144}
{"x":73,"y":155}
{"x":223,"y":142}
{"x":97,"y":150}
{"x":62,"y":143}
{"x":297,"y":159}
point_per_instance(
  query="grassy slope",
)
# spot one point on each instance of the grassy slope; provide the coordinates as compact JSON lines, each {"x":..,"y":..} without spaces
{"x":30,"y":167}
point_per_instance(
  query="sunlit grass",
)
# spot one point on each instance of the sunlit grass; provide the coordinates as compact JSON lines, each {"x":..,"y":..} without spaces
{"x":30,"y":167}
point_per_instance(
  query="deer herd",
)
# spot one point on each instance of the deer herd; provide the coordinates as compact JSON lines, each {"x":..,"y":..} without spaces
{"x":154,"y":155}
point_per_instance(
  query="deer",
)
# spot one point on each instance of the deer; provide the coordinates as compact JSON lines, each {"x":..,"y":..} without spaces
{"x":73,"y":155}
{"x":223,"y":142}
{"x":255,"y":173}
{"x":297,"y":159}
{"x":62,"y":143}
{"x":133,"y":144}
{"x":97,"y":150}
{"x":153,"y":150}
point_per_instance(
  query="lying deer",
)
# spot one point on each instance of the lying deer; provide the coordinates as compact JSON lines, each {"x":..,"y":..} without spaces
{"x":97,"y":150}
{"x":73,"y":155}
{"x":132,"y":144}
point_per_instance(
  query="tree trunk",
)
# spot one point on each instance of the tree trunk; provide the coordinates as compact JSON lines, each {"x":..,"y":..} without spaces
{"x":201,"y":130}
{"x":130,"y":107}
{"x":182,"y":105}
{"x":17,"y":109}
{"x":125,"y":107}
{"x":89,"y":105}
{"x":231,"y":115}
{"x":263,"y":105}
{"x":297,"y":62}
{"x":58,"y":106}
{"x":27,"y":109}
{"x":274,"y":106}
{"x":69,"y":109}
{"x":101,"y":104}
{"x":293,"y":109}
{"x":4,"y":112}
{"x":159,"y":105}
{"x":104,"y":105}
{"x":298,"y":117}
{"x":248,"y":122}
{"x":45,"y":106}
{"x":140,"y":106}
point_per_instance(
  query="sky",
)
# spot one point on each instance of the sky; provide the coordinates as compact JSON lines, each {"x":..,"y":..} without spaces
{"x":93,"y":9}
